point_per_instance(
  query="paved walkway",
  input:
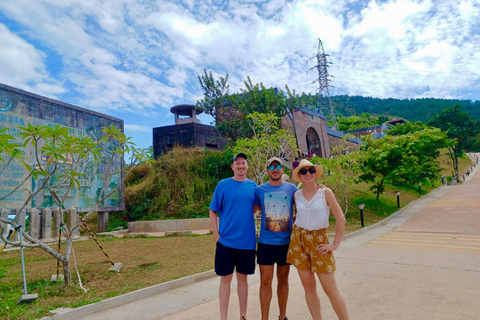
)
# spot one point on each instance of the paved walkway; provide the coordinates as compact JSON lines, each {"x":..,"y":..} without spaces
{"x":421,"y":263}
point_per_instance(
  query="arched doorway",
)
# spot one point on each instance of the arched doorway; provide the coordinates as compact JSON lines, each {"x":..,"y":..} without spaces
{"x":313,"y":142}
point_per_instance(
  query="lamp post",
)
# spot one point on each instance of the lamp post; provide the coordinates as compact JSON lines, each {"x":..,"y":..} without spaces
{"x":419,"y":188}
{"x":398,"y":198}
{"x":361,"y":206}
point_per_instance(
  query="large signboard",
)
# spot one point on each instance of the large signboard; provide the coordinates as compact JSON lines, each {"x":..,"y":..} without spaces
{"x":20,"y":108}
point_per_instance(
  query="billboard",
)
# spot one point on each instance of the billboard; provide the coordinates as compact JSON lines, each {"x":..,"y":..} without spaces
{"x":19,"y":108}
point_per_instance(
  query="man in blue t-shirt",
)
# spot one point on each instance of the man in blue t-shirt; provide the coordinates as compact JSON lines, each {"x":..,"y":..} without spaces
{"x":233,"y":200}
{"x":275,"y":199}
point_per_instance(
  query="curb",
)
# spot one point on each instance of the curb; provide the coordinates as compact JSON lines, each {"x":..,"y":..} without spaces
{"x":80,"y":312}
{"x":396,"y":214}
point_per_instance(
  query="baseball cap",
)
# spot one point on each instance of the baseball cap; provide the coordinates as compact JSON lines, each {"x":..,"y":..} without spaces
{"x":269,"y":162}
{"x":241,"y":155}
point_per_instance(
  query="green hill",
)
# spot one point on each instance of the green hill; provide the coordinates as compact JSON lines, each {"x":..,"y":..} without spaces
{"x":411,"y":109}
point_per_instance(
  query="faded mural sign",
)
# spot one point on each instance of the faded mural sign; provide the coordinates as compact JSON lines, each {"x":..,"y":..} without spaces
{"x":20,"y":108}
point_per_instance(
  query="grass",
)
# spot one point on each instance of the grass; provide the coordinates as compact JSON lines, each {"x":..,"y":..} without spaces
{"x":147,"y":261}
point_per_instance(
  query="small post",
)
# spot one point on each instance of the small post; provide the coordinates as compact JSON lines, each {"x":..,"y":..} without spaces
{"x":361,"y":206}
{"x":35,"y":223}
{"x":398,"y":198}
{"x":47,"y":225}
{"x":419,"y":188}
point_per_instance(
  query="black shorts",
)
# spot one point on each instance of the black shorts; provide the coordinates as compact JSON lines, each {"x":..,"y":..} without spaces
{"x":269,"y":254}
{"x":229,"y":259}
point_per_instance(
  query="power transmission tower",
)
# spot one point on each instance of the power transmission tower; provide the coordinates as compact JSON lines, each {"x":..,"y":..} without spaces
{"x":323,"y":87}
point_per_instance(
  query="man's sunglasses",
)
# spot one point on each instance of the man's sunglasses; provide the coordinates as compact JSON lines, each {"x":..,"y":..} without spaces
{"x":278,"y":167}
{"x":303,"y":172}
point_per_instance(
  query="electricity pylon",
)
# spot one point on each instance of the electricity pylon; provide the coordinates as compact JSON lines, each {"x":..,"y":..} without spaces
{"x":323,"y":87}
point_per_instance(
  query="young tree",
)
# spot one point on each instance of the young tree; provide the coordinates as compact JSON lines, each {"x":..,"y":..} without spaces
{"x":265,"y":143}
{"x":459,"y":126}
{"x":341,"y":171}
{"x":59,"y":160}
{"x":404,"y":159}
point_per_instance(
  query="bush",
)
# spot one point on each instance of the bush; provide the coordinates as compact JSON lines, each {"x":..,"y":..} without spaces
{"x":179,"y":185}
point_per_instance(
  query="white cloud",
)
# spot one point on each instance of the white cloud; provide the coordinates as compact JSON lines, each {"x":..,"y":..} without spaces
{"x":19,"y":59}
{"x":22,"y":65}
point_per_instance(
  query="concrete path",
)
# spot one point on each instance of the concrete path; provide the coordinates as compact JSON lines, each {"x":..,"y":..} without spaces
{"x":423,"y":262}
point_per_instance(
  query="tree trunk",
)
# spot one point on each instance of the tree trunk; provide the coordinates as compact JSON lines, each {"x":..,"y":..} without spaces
{"x":67,"y":274}
{"x":454,"y":157}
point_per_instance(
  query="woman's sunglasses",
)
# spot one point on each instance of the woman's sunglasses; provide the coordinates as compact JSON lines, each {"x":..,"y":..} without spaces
{"x":304,"y":171}
{"x":278,"y":167}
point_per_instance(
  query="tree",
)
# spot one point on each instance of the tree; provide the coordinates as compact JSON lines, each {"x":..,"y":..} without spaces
{"x":233,"y":122}
{"x":230,"y":111}
{"x":214,"y":93}
{"x":265,"y":143}
{"x":407,"y":127}
{"x":459,"y":126}
{"x":365,"y":120}
{"x":59,"y":161}
{"x":341,"y":171}
{"x":302,"y":100}
{"x":403,"y":159}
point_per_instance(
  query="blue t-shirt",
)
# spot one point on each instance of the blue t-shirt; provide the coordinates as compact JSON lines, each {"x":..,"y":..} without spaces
{"x":234,"y":201}
{"x":277,"y":212}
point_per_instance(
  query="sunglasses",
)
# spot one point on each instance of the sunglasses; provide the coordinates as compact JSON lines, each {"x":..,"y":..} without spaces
{"x":278,"y":167}
{"x":303,"y":172}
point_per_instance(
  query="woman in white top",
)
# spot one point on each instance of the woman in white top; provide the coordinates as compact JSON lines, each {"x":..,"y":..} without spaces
{"x":309,"y":250}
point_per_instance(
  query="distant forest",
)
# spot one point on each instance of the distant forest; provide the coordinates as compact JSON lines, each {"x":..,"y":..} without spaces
{"x":410,"y":109}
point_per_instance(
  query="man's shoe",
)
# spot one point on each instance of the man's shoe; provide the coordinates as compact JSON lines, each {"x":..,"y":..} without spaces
{"x":283,"y":319}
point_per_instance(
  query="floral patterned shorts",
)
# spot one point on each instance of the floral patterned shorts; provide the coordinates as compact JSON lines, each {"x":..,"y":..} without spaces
{"x":302,"y":251}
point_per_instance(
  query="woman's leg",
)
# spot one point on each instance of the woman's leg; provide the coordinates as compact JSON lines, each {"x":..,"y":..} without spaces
{"x":311,"y":295}
{"x":329,"y":285}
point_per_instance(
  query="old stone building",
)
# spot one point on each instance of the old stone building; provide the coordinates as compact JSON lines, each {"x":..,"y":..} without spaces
{"x":310,"y":129}
{"x":187,"y":132}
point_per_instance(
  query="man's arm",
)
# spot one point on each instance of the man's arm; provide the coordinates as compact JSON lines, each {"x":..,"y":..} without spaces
{"x":214,"y":224}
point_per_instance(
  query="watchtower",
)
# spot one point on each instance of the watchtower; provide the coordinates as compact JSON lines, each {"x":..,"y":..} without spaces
{"x":187,"y":132}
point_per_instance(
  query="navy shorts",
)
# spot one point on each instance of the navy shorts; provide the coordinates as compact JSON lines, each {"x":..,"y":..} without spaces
{"x":229,"y":259}
{"x":269,"y":254}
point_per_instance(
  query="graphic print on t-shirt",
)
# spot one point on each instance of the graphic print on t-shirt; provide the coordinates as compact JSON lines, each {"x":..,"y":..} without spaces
{"x":277,"y":213}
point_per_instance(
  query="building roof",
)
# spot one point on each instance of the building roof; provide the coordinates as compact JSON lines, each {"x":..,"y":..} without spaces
{"x":185,"y":109}
{"x":338,"y":134}
{"x":316,"y":113}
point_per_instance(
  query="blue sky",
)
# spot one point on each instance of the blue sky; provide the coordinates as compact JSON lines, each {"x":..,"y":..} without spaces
{"x":135,"y":59}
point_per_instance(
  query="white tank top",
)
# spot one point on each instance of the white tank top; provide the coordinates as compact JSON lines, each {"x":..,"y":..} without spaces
{"x":313,"y":214}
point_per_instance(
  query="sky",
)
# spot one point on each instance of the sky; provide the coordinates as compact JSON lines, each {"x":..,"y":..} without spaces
{"x":135,"y":59}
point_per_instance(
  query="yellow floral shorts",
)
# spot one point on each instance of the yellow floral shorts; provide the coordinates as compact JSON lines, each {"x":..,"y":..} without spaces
{"x":302,"y":251}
